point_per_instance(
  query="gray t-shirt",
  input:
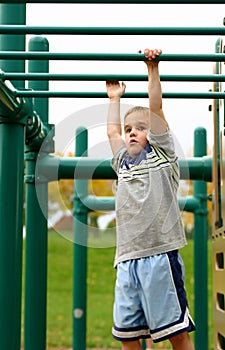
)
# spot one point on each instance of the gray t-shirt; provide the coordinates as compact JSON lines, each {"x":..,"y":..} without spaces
{"x":148,"y":220}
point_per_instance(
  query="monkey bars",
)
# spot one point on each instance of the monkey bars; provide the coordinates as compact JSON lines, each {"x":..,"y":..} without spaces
{"x":23,"y":29}
{"x":54,"y":168}
{"x":116,"y":1}
{"x":113,"y":77}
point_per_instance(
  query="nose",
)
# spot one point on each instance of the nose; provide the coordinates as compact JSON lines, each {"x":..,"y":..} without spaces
{"x":133,"y":131}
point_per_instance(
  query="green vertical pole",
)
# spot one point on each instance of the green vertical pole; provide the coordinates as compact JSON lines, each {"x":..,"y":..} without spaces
{"x":11,"y":194}
{"x":11,"y":227}
{"x":200,"y":249}
{"x":36,"y":261}
{"x":13,"y":14}
{"x":39,"y":43}
{"x":143,"y":344}
{"x":36,"y":224}
{"x":80,"y":251}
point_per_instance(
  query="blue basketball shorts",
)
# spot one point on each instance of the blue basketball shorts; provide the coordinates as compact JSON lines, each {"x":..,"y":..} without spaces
{"x":150,"y":299}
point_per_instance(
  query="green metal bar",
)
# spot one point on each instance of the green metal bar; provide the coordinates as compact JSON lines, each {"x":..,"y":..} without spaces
{"x":213,"y":57}
{"x":200,"y":249}
{"x":197,"y":168}
{"x":11,"y":191}
{"x":36,"y":226}
{"x":189,"y":203}
{"x":22,"y":29}
{"x":94,"y":203}
{"x":118,"y":1}
{"x":40,"y":105}
{"x":80,"y":251}
{"x":113,"y":77}
{"x":52,"y":168}
{"x":13,"y":42}
{"x":36,"y":260}
{"x":11,"y":225}
{"x":80,"y":94}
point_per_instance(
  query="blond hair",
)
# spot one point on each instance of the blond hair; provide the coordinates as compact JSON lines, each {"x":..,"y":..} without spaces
{"x":136,"y":109}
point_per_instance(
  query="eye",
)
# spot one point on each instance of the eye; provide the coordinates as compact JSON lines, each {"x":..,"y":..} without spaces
{"x":128,"y":130}
{"x":141,"y":128}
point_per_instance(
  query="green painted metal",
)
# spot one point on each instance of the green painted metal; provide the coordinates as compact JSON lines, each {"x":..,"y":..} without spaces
{"x":197,"y":168}
{"x":22,"y":29}
{"x":214,"y":57}
{"x":200,"y":249}
{"x":80,"y":94}
{"x":36,"y":217}
{"x":36,"y":260}
{"x":15,"y":42}
{"x":12,"y":130}
{"x":11,"y":187}
{"x":94,"y":203}
{"x":55,"y":168}
{"x":80,"y":250}
{"x":39,"y":43}
{"x":118,"y":1}
{"x":103,"y":77}
{"x":13,"y":118}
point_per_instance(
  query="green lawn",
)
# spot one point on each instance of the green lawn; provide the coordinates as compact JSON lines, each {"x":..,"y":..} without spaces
{"x":100,"y":281}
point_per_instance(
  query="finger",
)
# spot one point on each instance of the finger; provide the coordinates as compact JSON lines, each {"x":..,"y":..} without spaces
{"x":146,"y":52}
{"x":158,"y":52}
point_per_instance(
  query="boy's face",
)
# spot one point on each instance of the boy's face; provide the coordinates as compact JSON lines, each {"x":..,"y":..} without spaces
{"x":136,"y":127}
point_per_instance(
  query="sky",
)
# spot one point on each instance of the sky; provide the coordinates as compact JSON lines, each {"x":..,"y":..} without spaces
{"x":183,"y":115}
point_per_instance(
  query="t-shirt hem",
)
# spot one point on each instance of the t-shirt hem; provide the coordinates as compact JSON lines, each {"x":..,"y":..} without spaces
{"x":150,"y":252}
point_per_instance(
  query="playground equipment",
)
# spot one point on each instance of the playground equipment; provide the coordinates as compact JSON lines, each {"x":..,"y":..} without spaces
{"x":24,"y":127}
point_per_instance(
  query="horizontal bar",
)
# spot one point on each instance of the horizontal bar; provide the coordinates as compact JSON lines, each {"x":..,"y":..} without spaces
{"x":100,"y":203}
{"x":80,"y":94}
{"x":55,"y":168}
{"x":15,"y":55}
{"x":111,"y":77}
{"x":97,"y":203}
{"x":197,"y":168}
{"x":189,"y":203}
{"x":23,"y":29}
{"x":116,"y":1}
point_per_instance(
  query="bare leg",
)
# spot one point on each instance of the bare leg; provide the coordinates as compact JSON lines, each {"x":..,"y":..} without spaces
{"x":182,"y":341}
{"x":149,"y":343}
{"x":131,"y":345}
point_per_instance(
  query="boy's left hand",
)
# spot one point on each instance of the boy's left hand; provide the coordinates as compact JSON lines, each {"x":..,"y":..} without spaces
{"x":151,"y":55}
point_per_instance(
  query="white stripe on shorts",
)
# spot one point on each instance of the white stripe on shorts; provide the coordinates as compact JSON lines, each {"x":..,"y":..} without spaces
{"x":173,"y":329}
{"x":141,"y":333}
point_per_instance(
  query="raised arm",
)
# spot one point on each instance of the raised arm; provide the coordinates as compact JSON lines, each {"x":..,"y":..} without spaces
{"x":158,"y":124}
{"x":115,"y":91}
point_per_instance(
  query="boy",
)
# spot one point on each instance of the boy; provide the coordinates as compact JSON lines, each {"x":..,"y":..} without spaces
{"x":150,"y":299}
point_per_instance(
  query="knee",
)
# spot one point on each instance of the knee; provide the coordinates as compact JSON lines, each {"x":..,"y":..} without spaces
{"x":131,"y":345}
{"x":181,"y":340}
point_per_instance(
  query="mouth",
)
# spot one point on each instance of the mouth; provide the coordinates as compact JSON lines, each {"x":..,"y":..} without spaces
{"x":132,"y":142}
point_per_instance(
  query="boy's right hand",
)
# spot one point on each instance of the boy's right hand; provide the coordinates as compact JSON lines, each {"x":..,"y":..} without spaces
{"x":115,"y":90}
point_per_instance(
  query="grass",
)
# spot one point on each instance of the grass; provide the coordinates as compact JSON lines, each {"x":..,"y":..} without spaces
{"x":100,"y":282}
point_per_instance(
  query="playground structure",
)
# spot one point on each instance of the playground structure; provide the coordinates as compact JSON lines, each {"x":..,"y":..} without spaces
{"x":25,"y":128}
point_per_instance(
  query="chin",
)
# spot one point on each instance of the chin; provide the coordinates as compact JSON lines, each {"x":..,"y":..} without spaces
{"x":134,"y":154}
